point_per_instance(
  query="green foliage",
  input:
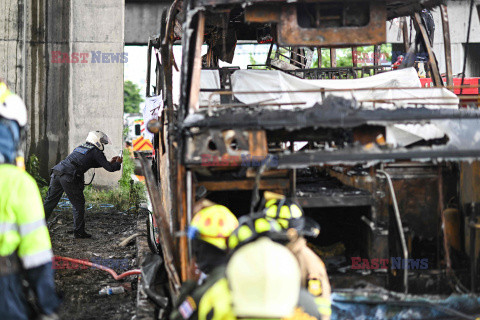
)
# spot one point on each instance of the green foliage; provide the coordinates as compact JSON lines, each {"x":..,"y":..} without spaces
{"x":128,"y":194}
{"x":252,"y":59}
{"x":344,"y":56}
{"x":33,"y":167}
{"x":131,"y":97}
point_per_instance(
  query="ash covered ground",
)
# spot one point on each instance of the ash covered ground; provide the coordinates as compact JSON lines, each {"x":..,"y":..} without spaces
{"x":80,"y":285}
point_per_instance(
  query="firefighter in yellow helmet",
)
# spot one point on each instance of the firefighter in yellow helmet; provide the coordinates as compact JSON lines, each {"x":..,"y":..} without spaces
{"x":25,"y":247}
{"x":290,"y":216}
{"x":209,"y":230}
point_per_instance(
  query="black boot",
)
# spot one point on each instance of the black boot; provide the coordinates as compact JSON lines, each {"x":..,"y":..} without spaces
{"x":82,"y":235}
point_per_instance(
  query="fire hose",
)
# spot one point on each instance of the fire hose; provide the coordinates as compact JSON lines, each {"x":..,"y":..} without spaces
{"x":98,"y":266}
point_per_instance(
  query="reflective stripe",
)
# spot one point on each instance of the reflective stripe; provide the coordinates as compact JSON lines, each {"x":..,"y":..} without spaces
{"x":37,"y":259}
{"x":7,"y":226}
{"x":323,"y":306}
{"x":26,"y":228}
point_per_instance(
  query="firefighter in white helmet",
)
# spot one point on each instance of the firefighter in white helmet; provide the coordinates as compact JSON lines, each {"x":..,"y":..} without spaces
{"x":290,"y":216}
{"x":68,"y":177}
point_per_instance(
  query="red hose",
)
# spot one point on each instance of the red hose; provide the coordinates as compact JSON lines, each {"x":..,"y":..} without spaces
{"x":98,"y":266}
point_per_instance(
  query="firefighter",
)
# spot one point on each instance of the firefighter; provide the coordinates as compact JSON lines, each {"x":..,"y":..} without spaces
{"x":255,"y":226}
{"x":68,"y":176}
{"x":25,"y":247}
{"x":209,"y":230}
{"x":314,"y":274}
{"x":260,"y":281}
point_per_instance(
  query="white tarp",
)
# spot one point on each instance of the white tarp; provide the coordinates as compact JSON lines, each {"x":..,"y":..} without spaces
{"x":209,"y":79}
{"x":153,"y":108}
{"x":274,"y":84}
{"x":279,"y":87}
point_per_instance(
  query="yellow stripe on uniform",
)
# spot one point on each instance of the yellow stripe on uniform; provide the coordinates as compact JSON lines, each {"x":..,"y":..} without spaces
{"x":22,"y":219}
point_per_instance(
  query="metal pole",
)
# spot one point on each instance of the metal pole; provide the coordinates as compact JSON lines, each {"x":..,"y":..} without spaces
{"x":447,"y":45}
{"x":473,"y":258}
{"x":398,"y":221}
{"x":333,"y":57}
{"x":149,"y":66}
{"x":406,"y":42}
{"x":189,"y":208}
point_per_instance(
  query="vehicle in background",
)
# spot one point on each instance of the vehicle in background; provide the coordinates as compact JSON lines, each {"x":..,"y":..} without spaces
{"x":135,"y":134}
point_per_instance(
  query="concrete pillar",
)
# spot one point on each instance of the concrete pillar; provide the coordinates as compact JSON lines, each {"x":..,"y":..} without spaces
{"x":96,"y":87}
{"x":65,"y":100}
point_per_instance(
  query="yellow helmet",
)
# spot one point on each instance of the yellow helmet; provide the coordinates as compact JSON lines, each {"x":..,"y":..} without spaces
{"x":287,"y":213}
{"x":251,"y":228}
{"x":213,"y":224}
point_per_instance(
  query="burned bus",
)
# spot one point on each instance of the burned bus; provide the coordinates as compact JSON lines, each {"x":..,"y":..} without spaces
{"x":388,"y":168}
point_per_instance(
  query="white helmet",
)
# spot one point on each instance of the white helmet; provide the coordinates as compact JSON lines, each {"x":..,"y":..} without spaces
{"x":98,"y":139}
{"x":264,"y":279}
{"x":12,"y":106}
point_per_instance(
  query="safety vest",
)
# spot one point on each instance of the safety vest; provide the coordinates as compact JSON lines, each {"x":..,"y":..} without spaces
{"x":22,"y":219}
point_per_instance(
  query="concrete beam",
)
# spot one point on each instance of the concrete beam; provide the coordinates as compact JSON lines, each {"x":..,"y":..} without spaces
{"x":142,"y":20}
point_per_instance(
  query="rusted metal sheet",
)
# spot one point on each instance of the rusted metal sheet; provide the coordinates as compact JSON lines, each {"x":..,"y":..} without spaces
{"x":226,"y":148}
{"x":395,"y":8}
{"x":197,"y":64}
{"x":262,"y":14}
{"x":291,"y":34}
{"x":469,"y":182}
{"x":257,"y":143}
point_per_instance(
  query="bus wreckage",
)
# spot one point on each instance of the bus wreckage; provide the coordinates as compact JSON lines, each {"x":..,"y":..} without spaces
{"x":388,"y":168}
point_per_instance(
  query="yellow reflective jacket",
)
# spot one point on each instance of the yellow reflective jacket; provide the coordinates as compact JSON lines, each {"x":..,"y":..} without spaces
{"x":22,"y":218}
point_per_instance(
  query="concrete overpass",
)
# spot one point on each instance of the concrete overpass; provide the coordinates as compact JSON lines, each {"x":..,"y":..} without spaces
{"x":142,"y":19}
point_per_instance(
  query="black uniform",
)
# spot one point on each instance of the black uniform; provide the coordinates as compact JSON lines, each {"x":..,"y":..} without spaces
{"x":68,"y":176}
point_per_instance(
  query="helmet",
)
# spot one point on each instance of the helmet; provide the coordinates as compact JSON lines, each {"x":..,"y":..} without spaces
{"x":213,"y":224}
{"x":98,"y":139}
{"x":286,"y":212}
{"x":13,"y":118}
{"x":252,"y":227}
{"x":264,"y":278}
{"x":12,"y":106}
{"x":289,"y":214}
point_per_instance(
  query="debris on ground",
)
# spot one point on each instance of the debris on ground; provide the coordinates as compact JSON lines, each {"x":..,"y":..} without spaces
{"x":80,"y":285}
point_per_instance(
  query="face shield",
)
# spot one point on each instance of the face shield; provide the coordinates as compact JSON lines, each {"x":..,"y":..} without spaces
{"x":105,"y":139}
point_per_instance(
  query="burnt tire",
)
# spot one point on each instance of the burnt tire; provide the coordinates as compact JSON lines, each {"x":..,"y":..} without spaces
{"x":152,"y":244}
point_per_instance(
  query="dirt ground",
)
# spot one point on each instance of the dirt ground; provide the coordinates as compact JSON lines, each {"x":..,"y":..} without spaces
{"x":80,"y":286}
